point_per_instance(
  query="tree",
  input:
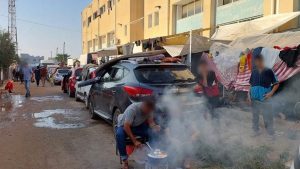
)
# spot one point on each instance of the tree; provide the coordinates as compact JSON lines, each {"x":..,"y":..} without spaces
{"x":62,"y":57}
{"x":8,"y":53}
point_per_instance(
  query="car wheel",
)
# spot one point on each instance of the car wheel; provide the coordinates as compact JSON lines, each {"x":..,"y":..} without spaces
{"x":76,"y":97}
{"x":115,"y":118}
{"x":92,"y":112}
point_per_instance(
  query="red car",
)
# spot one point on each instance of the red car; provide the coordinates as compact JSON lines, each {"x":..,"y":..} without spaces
{"x":68,"y":85}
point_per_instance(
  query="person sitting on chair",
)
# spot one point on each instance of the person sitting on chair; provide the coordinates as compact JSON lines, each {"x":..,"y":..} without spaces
{"x":135,"y":121}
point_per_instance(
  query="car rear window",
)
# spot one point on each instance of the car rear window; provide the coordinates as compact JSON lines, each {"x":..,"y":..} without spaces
{"x":164,"y":74}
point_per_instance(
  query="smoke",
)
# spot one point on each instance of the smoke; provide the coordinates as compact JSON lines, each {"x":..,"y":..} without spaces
{"x":192,"y":133}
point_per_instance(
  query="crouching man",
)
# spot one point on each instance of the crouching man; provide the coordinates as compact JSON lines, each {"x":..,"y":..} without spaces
{"x":136,"y":121}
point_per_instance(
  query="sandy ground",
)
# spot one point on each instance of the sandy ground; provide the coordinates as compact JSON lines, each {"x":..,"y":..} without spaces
{"x":52,"y":131}
{"x":63,"y":137}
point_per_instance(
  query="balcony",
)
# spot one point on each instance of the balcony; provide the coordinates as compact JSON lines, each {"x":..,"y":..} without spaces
{"x":239,"y":10}
{"x":190,"y":23}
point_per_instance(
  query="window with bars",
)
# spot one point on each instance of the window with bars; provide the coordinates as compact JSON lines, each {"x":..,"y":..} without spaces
{"x":192,"y":8}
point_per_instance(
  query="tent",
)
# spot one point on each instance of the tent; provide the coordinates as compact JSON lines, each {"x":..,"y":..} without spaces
{"x":254,"y":27}
{"x":226,"y":58}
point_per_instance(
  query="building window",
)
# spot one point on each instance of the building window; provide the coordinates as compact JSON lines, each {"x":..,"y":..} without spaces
{"x":95,"y":15}
{"x":225,"y":2}
{"x":102,"y":9}
{"x":89,"y":20}
{"x":192,"y":8}
{"x":156,"y":18}
{"x":198,"y":6}
{"x":110,"y":39}
{"x":125,"y":30}
{"x":150,"y":21}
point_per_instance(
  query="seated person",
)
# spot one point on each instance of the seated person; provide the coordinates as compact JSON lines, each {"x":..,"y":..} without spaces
{"x":135,"y":121}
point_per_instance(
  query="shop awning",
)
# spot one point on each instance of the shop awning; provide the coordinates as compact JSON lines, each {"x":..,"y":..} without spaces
{"x":174,"y":50}
{"x":199,"y":44}
{"x":254,"y":27}
{"x":111,"y":51}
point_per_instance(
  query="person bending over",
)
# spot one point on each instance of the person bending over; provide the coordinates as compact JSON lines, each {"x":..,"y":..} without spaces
{"x":135,"y":121}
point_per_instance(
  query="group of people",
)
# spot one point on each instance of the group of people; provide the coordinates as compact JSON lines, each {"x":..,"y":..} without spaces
{"x":138,"y":117}
{"x":27,"y":75}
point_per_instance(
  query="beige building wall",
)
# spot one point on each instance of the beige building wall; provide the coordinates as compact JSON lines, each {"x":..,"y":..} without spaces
{"x":118,"y":25}
{"x":282,"y":6}
{"x":157,"y":18}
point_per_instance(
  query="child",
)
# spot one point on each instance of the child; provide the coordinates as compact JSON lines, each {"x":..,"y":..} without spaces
{"x":9,"y":86}
{"x":263,"y":84}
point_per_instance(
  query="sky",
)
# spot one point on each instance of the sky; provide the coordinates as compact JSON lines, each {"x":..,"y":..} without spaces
{"x":44,"y":25}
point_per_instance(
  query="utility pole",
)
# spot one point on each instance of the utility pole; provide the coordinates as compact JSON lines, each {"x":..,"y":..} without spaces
{"x":12,"y":23}
{"x":64,"y":48}
{"x":56,"y":51}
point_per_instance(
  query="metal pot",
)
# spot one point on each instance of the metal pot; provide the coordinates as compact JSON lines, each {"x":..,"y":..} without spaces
{"x":157,"y":159}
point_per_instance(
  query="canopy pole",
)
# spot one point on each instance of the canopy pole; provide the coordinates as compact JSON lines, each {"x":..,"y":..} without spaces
{"x":190,"y":52}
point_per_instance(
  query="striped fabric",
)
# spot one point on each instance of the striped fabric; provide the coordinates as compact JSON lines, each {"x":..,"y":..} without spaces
{"x":280,"y":69}
{"x":241,"y":82}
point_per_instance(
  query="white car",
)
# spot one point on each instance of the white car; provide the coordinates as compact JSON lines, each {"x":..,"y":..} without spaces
{"x":296,"y":163}
{"x":82,"y":93}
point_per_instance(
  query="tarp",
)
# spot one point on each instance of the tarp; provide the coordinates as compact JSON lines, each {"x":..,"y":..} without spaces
{"x":174,"y":50}
{"x":199,"y":44}
{"x":254,"y":27}
{"x":112,"y":51}
{"x":268,"y":40}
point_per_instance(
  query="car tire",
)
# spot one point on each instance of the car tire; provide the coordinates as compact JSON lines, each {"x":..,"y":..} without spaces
{"x":93,"y":115}
{"x":117,"y":112}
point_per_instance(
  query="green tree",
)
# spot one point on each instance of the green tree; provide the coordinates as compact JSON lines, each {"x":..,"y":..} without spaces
{"x":62,"y":57}
{"x":8,"y":53}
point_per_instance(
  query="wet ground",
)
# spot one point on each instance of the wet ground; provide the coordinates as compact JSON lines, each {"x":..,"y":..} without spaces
{"x":52,"y":131}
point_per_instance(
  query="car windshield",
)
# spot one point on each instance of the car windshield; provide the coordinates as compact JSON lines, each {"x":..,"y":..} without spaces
{"x":63,"y":71}
{"x":161,"y":74}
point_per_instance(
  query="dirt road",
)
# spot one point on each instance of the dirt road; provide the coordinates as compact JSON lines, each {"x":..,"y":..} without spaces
{"x":51,"y":131}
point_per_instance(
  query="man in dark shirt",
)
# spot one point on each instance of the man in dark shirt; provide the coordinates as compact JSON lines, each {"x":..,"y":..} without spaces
{"x":263,"y":84}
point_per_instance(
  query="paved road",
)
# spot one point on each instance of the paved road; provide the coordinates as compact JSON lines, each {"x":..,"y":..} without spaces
{"x":52,"y":131}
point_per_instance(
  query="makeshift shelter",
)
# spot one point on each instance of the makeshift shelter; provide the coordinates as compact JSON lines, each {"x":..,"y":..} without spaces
{"x":254,"y":27}
{"x":228,"y":59}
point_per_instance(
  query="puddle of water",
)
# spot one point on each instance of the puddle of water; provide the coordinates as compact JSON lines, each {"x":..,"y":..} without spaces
{"x":11,"y":102}
{"x":58,"y":119}
{"x":47,"y":98}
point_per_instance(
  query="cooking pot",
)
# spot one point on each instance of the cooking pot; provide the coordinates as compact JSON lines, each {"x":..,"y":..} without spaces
{"x":157,"y":159}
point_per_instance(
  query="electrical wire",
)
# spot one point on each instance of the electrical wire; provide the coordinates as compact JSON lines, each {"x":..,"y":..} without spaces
{"x":42,"y":24}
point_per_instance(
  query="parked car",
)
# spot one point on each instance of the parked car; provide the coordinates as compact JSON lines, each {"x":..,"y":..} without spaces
{"x":82,"y":93}
{"x":69,"y":81}
{"x":129,"y":81}
{"x":59,"y":75}
{"x":296,"y":163}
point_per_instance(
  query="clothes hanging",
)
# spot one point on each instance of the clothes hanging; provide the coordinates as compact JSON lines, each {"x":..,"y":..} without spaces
{"x":290,"y":56}
{"x":243,"y":60}
{"x":271,"y":56}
